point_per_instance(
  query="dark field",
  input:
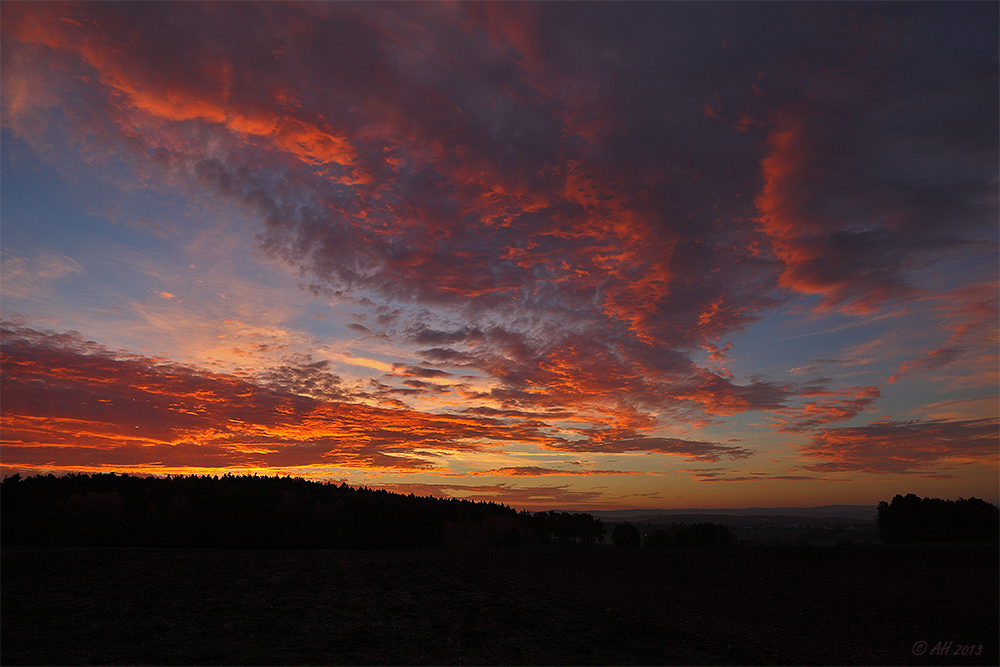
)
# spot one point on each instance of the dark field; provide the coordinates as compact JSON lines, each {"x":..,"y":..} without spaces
{"x":599,"y":605}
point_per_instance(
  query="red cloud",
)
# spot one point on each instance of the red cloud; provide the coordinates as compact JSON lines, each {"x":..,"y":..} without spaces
{"x":819,"y":257}
{"x":843,"y":227}
{"x":208,"y":90}
{"x":77,"y":403}
{"x":931,"y":361}
{"x":834,"y":407}
{"x":971,"y":317}
{"x":426,"y":204}
{"x":901,"y":447}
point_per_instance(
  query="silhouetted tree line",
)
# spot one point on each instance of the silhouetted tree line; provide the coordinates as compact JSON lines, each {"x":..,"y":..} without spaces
{"x":910,"y":518}
{"x":261,"y":512}
{"x":564,"y":528}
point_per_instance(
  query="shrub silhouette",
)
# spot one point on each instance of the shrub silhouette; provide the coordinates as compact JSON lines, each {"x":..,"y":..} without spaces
{"x":563,"y":528}
{"x":626,"y":535}
{"x":910,"y":518}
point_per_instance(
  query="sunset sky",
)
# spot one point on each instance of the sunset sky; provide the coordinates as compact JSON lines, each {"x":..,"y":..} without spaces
{"x":556,"y":255}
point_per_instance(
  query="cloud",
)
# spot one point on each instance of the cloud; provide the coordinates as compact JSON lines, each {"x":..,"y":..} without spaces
{"x":538,"y":471}
{"x":419,"y":371}
{"x":691,"y":449}
{"x":74,"y":400}
{"x":892,"y":447}
{"x":967,"y":408}
{"x":70,"y":399}
{"x":375,"y":203}
{"x":360,"y":328}
{"x":432,"y":337}
{"x":541,"y":194}
{"x":831,"y":408}
{"x":305,"y":377}
{"x":855,"y":197}
{"x":33,"y":277}
{"x":723,"y":475}
{"x":931,"y":361}
{"x":354,"y":360}
{"x":972,"y":312}
{"x":531,"y":497}
{"x":519,"y":414}
{"x":160,"y":230}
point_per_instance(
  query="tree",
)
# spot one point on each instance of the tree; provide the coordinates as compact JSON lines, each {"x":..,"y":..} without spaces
{"x":626,"y":535}
{"x":912,"y":519}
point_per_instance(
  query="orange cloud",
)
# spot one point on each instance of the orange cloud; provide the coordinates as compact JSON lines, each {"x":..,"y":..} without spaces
{"x":70,"y":401}
{"x":530,"y":497}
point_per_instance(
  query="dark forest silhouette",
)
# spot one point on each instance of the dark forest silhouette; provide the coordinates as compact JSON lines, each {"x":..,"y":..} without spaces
{"x":293,"y":513}
{"x":262,"y":512}
{"x":910,"y":518}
